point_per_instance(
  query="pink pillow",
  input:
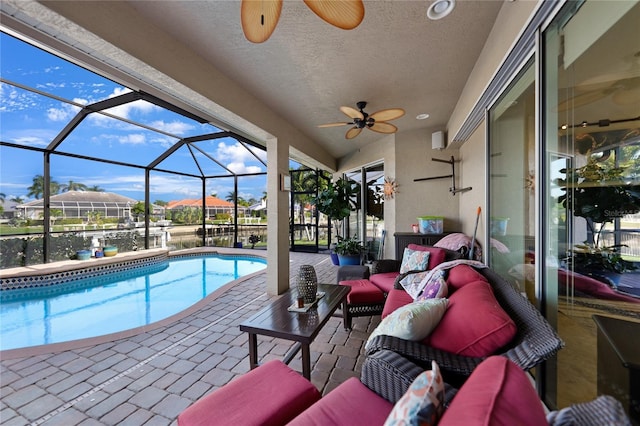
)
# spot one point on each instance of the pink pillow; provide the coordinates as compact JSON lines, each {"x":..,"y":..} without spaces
{"x":498,"y":392}
{"x":436,"y":255}
{"x":460,"y":275}
{"x":474,"y":323}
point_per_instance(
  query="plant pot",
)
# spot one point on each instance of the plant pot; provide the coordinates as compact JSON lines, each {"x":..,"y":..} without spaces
{"x":334,"y":259}
{"x":352,"y":259}
{"x":110,"y":251}
{"x":83,"y":254}
{"x":99,"y":254}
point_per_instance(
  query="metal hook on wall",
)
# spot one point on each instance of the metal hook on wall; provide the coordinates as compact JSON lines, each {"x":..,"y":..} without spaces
{"x":453,"y":188}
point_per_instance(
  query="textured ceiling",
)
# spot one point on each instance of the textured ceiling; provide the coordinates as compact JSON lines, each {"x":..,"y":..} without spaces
{"x":396,"y":57}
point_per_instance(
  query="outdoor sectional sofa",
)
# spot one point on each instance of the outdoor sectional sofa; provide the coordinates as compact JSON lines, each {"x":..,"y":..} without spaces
{"x":498,"y":392}
{"x":473,"y":326}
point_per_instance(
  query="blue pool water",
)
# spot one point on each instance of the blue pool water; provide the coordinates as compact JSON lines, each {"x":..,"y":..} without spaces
{"x":116,"y":302}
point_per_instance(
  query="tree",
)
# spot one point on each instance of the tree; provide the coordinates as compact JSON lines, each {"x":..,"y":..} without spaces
{"x":17,"y":200}
{"x":138,"y":210}
{"x":2,"y":197}
{"x":73,"y":186}
{"x":95,"y":188}
{"x":160,"y":203}
{"x":36,"y":190}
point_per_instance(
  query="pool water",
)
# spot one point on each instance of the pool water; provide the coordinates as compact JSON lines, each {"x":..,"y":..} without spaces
{"x":116,"y":302}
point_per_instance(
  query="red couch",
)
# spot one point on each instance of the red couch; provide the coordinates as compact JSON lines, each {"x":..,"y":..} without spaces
{"x":497,"y":393}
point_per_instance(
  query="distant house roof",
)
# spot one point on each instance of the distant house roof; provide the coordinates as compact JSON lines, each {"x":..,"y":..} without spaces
{"x":83,"y":197}
{"x":210,"y":201}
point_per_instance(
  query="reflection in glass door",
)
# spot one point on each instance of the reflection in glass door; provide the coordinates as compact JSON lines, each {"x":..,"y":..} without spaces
{"x":591,"y":159}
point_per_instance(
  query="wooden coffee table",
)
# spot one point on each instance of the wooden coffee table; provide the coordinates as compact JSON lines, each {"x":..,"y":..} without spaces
{"x":301,"y":327}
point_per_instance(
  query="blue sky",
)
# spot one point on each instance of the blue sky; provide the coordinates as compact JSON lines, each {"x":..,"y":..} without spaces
{"x":33,"y":120}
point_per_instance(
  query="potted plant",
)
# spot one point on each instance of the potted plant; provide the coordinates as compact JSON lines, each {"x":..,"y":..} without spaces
{"x":336,"y":201}
{"x":600,"y":193}
{"x":349,"y":251}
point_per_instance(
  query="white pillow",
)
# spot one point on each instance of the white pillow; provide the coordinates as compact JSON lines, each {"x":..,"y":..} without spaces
{"x":414,"y":321}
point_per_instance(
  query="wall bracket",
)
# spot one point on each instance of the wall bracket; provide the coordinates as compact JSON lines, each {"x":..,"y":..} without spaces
{"x":453,"y":190}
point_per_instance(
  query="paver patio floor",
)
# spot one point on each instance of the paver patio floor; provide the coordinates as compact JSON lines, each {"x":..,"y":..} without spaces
{"x":149,"y":378}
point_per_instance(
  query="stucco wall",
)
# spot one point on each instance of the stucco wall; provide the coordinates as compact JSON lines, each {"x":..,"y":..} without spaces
{"x":473,"y":171}
{"x":430,"y":197}
{"x":509,"y":24}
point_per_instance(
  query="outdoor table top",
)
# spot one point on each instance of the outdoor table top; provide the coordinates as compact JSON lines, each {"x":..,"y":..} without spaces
{"x":276,"y":321}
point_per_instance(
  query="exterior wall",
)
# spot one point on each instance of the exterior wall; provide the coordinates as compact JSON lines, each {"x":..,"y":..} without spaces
{"x":510,"y":23}
{"x":473,"y":171}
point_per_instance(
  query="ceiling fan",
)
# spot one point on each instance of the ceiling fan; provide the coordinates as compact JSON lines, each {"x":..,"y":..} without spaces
{"x":260,"y":17}
{"x":376,"y":121}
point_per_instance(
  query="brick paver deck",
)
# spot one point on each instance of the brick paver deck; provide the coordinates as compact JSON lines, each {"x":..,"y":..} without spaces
{"x":149,"y":378}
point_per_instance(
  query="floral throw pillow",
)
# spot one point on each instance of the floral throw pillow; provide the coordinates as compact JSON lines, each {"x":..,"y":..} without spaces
{"x":414,"y":260}
{"x":425,"y":285}
{"x":423,"y":403}
{"x":435,"y":288}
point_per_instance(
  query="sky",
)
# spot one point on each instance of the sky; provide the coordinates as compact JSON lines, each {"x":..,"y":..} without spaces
{"x":33,"y":120}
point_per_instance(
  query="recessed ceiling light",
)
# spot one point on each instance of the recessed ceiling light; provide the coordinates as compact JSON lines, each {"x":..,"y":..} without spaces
{"x":440,"y":8}
{"x":422,"y":116}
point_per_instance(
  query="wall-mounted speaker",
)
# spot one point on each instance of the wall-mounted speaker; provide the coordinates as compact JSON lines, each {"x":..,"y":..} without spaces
{"x":437,"y":140}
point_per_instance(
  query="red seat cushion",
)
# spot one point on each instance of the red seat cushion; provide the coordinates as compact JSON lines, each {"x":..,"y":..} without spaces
{"x":350,"y":404}
{"x":384,"y":280}
{"x":436,"y":255}
{"x":271,"y":394}
{"x":498,"y":392}
{"x":474,"y":323}
{"x":461,"y":275}
{"x":395,"y":299}
{"x":362,"y":291}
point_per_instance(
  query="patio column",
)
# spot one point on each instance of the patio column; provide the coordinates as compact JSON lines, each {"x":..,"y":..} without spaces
{"x":277,"y":218}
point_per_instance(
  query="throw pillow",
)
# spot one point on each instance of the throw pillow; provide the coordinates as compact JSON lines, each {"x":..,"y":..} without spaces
{"x":413,"y":321}
{"x":413,"y":260}
{"x":425,"y":285}
{"x":475,"y":324}
{"x":423,"y":403}
{"x":435,"y":288}
{"x":436,"y":257}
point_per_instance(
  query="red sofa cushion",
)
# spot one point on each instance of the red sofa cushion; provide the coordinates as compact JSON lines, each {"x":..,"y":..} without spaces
{"x":395,"y":299}
{"x":350,"y":404}
{"x":384,"y":280}
{"x":592,"y":287}
{"x":436,"y":255}
{"x":461,"y":275}
{"x":288,"y":394}
{"x":498,"y":392}
{"x":474,"y":323}
{"x":363,"y":291}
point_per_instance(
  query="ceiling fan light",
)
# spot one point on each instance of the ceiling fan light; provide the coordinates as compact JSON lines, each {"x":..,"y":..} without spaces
{"x":440,"y":8}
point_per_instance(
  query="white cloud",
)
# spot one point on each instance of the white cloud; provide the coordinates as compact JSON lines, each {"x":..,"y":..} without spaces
{"x":132,"y":139}
{"x":234,"y":152}
{"x":241,"y":168}
{"x":65,"y":113}
{"x":174,"y":127}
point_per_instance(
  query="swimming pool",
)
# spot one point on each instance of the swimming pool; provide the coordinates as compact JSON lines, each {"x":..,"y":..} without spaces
{"x":118,"y":301}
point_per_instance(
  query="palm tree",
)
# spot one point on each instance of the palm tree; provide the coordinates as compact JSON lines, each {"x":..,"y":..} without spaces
{"x":231,"y":197}
{"x":2,"y":197}
{"x":73,"y":186}
{"x":17,"y":200}
{"x":95,"y":188}
{"x":36,"y":190}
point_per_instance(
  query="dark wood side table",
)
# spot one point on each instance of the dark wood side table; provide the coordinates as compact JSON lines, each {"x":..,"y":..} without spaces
{"x":301,"y":327}
{"x":619,"y":362}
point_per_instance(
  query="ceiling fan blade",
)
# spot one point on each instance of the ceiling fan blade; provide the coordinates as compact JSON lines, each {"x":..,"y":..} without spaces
{"x":353,"y":132}
{"x":345,"y":14}
{"x":388,"y":114}
{"x":259,"y":18}
{"x":382,"y":127}
{"x":344,"y":123}
{"x":352,"y":112}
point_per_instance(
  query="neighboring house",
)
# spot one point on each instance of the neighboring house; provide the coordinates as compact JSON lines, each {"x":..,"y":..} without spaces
{"x":214,"y":206}
{"x":77,"y":204}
